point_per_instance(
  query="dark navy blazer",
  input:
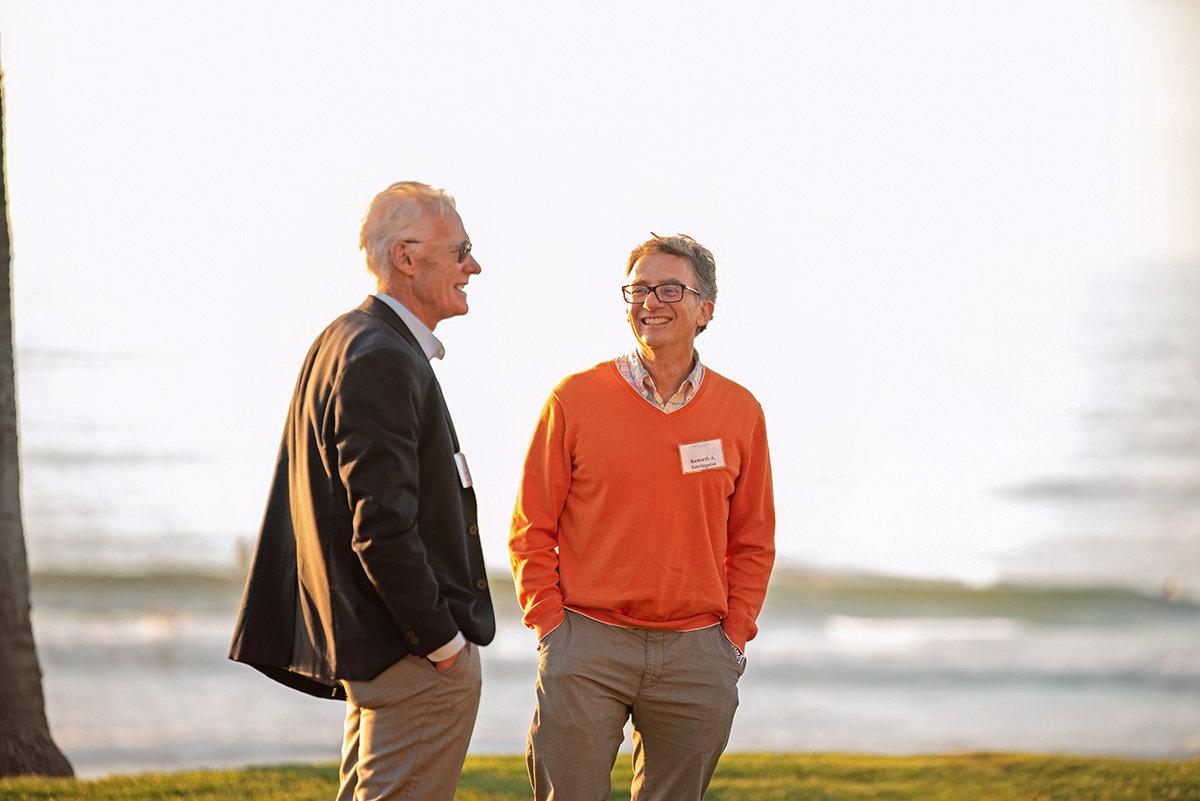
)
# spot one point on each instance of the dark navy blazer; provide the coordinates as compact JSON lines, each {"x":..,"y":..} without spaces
{"x":369,"y":548}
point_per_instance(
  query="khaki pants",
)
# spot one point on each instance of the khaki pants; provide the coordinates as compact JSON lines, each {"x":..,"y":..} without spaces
{"x":407,"y":730}
{"x":679,"y":688}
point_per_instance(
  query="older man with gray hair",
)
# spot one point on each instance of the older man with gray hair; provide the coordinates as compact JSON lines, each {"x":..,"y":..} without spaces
{"x":642,"y":543}
{"x":368,"y":581}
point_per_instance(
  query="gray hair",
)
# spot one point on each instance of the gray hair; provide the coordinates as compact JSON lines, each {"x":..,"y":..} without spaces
{"x":395,"y":214}
{"x":701,"y":259}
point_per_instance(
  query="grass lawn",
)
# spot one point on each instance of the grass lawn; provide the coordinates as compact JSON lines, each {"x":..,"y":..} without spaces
{"x":741,"y":777}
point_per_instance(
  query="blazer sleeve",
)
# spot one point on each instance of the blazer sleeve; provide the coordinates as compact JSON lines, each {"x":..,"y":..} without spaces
{"x":379,"y":404}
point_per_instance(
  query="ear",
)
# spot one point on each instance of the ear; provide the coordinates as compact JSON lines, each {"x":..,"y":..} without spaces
{"x":402,"y":259}
{"x":706,"y":312}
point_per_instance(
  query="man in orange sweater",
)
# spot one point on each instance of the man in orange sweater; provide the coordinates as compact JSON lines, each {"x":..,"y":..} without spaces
{"x":642,"y":543}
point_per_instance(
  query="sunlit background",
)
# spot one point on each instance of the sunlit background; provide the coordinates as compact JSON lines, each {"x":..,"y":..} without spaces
{"x":958,"y":250}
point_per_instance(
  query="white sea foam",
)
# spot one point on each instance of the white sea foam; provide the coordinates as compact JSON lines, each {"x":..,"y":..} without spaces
{"x":874,"y":634}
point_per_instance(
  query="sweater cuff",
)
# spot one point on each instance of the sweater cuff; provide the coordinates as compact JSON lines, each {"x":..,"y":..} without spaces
{"x":548,"y":623}
{"x":739,"y":628}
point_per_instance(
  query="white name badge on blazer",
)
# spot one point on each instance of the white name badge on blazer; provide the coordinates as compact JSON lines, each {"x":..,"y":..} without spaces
{"x":464,"y":472}
{"x":699,"y":456}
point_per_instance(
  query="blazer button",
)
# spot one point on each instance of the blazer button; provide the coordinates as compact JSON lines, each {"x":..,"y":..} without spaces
{"x":473,"y":530}
{"x":481,"y":584}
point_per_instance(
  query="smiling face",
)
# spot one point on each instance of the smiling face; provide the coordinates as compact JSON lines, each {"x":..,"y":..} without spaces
{"x":435,"y":282}
{"x":662,"y":326}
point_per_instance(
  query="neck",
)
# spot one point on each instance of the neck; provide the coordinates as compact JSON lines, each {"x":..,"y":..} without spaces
{"x":400,"y":292}
{"x":668,"y":369}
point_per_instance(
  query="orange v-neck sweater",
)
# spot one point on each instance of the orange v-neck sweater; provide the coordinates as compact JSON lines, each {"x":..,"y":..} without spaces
{"x":608,"y":524}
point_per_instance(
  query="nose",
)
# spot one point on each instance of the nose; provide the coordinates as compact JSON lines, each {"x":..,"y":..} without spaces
{"x":651,"y":301}
{"x":470,"y":266}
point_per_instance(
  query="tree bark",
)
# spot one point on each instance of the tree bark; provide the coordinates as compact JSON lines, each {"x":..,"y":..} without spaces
{"x":26,"y":746}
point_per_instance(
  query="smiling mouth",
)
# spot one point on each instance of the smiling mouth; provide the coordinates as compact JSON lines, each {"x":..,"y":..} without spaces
{"x":655,"y":320}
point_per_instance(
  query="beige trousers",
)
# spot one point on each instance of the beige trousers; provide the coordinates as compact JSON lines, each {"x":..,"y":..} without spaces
{"x":407,"y":730}
{"x":679,"y":689}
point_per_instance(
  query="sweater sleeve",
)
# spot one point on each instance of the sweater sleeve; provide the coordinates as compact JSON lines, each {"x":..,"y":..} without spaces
{"x":750,"y":553}
{"x":533,"y":539}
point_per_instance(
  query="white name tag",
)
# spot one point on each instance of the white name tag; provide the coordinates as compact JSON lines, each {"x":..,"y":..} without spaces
{"x":464,"y":472}
{"x":699,"y":456}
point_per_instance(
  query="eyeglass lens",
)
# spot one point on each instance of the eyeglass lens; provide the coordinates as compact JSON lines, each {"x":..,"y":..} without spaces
{"x":667,"y":293}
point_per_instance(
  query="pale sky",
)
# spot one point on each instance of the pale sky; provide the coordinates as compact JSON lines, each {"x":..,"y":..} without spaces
{"x":911,"y":207}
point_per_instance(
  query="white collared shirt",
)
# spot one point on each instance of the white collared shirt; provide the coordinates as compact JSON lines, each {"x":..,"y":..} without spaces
{"x":431,"y":345}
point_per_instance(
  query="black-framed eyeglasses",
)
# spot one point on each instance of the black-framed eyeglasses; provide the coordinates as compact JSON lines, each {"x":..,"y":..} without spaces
{"x":464,"y":247}
{"x":667,"y":293}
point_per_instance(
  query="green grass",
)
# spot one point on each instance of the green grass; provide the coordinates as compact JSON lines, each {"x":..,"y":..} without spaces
{"x":741,"y":777}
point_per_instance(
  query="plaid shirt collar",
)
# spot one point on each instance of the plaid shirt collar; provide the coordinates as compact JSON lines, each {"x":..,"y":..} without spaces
{"x":639,"y":378}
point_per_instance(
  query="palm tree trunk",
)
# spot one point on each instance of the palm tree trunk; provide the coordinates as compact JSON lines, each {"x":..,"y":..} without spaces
{"x":25,"y":743}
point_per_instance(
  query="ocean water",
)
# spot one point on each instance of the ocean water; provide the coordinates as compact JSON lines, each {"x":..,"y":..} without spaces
{"x":151,"y":461}
{"x":136,"y":676}
{"x":143,"y":484}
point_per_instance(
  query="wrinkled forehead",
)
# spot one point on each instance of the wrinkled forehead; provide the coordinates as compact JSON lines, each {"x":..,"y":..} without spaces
{"x":662,"y":268}
{"x":445,"y":227}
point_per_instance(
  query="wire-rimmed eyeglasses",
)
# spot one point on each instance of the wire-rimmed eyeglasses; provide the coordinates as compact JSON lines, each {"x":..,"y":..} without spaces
{"x":666,"y":293}
{"x":464,"y":247}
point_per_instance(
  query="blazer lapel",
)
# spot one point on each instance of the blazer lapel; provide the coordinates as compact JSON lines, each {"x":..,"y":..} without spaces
{"x":377,"y":308}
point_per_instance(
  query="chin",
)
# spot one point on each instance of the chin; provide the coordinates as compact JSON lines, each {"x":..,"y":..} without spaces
{"x":655,"y":333}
